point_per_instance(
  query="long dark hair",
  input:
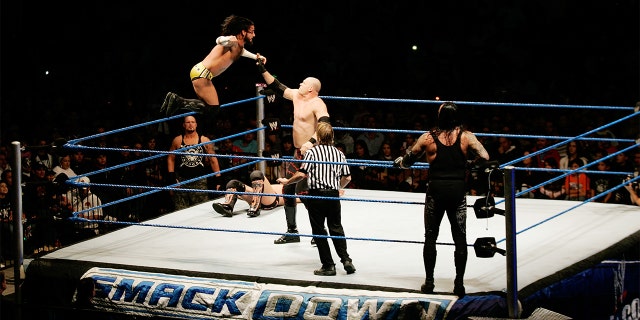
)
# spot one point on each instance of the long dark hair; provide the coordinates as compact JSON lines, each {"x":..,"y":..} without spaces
{"x":448,"y":118}
{"x":234,"y":25}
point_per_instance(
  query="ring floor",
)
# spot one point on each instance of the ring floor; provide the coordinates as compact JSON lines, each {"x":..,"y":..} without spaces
{"x":384,"y":241}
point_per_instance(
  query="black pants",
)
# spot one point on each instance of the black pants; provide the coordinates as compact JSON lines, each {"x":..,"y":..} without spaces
{"x":445,"y":196}
{"x":329,"y":209}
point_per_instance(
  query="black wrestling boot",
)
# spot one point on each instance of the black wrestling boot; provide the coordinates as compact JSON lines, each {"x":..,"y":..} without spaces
{"x":288,"y":238}
{"x":460,"y":260}
{"x":429,"y":258}
{"x":173,"y":102}
{"x":290,"y":215}
{"x":226,"y":208}
{"x":348,"y":267}
{"x":329,"y":270}
{"x":428,"y":286}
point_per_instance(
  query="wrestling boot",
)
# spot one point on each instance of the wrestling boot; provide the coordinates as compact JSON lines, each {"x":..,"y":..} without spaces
{"x":328,"y":270}
{"x":226,"y":208}
{"x":173,"y":102}
{"x":460,"y":260}
{"x":290,"y":214}
{"x":429,"y":258}
{"x":288,"y":238}
{"x":348,"y":267}
{"x":254,"y":206}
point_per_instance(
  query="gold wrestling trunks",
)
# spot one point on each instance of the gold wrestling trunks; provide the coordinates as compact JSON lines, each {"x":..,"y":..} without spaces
{"x":199,"y":71}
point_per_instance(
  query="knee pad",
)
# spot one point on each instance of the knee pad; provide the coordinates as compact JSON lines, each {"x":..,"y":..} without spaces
{"x":235,"y":184}
{"x":256,"y":175}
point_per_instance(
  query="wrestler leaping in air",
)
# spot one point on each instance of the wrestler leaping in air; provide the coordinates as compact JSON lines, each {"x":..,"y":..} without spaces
{"x":237,"y":32}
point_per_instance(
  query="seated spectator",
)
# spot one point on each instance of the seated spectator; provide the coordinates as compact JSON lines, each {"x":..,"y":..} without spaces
{"x":553,"y":189}
{"x":601,"y":182}
{"x":373,"y":139}
{"x":632,"y":188}
{"x":526,"y":179}
{"x":64,"y":166}
{"x":248,"y":143}
{"x":574,"y":152}
{"x":506,"y":151}
{"x":577,"y":185}
{"x":542,"y":143}
{"x":359,"y":173}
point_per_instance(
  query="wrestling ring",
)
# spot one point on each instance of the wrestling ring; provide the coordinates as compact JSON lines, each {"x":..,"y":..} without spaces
{"x":196,"y":264}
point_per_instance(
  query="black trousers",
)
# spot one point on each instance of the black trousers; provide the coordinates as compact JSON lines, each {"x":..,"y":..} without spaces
{"x":329,"y":210}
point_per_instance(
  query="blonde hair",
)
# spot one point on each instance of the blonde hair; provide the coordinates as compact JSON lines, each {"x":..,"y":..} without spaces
{"x":324,"y":131}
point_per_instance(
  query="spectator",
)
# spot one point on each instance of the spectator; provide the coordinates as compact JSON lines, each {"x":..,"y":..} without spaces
{"x":541,"y":158}
{"x":373,"y":139}
{"x":6,"y":222}
{"x":602,"y":182}
{"x":80,"y":164}
{"x":506,"y":151}
{"x":359,"y":172}
{"x":574,"y":152}
{"x":247,"y":143}
{"x":577,"y":185}
{"x":632,"y":188}
{"x":81,"y":199}
{"x":386,"y":176}
{"x":26,"y":169}
{"x":553,"y":189}
{"x":344,"y":137}
{"x":526,"y":179}
{"x":64,"y":166}
{"x":43,"y":155}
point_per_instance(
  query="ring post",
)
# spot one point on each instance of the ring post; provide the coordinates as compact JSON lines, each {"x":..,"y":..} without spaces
{"x":262,"y":165}
{"x":17,"y":226}
{"x":510,"y":224}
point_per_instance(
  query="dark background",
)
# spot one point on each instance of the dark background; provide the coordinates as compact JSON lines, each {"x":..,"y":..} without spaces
{"x":106,"y":57}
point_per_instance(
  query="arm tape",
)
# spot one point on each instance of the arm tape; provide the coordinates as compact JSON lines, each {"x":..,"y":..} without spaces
{"x":409,"y":159}
{"x":278,"y":87}
{"x":324,"y":119}
{"x":249,"y":55}
{"x":223,"y":40}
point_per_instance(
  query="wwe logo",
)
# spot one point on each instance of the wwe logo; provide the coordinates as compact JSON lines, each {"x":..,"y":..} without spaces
{"x":273,"y":125}
{"x":275,"y":156}
{"x":271,"y":98}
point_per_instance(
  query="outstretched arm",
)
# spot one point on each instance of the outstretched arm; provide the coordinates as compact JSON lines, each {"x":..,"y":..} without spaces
{"x":272,"y":82}
{"x":414,"y":154}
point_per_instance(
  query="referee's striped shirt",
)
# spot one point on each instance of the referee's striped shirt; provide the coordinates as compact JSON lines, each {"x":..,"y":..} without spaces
{"x":325,"y":175}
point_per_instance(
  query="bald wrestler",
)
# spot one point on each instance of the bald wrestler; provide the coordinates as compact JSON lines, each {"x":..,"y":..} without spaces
{"x":308,"y":110}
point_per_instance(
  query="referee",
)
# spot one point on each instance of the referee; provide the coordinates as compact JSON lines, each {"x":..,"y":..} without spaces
{"x":325,"y":180}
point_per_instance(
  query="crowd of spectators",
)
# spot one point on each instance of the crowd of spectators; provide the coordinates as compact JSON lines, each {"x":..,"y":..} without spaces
{"x":361,"y":133}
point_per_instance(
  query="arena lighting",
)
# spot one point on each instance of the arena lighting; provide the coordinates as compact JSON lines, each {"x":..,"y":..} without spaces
{"x":486,"y":248}
{"x":486,"y":208}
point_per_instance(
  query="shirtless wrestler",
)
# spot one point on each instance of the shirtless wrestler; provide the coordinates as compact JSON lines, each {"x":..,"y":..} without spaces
{"x":237,"y":32}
